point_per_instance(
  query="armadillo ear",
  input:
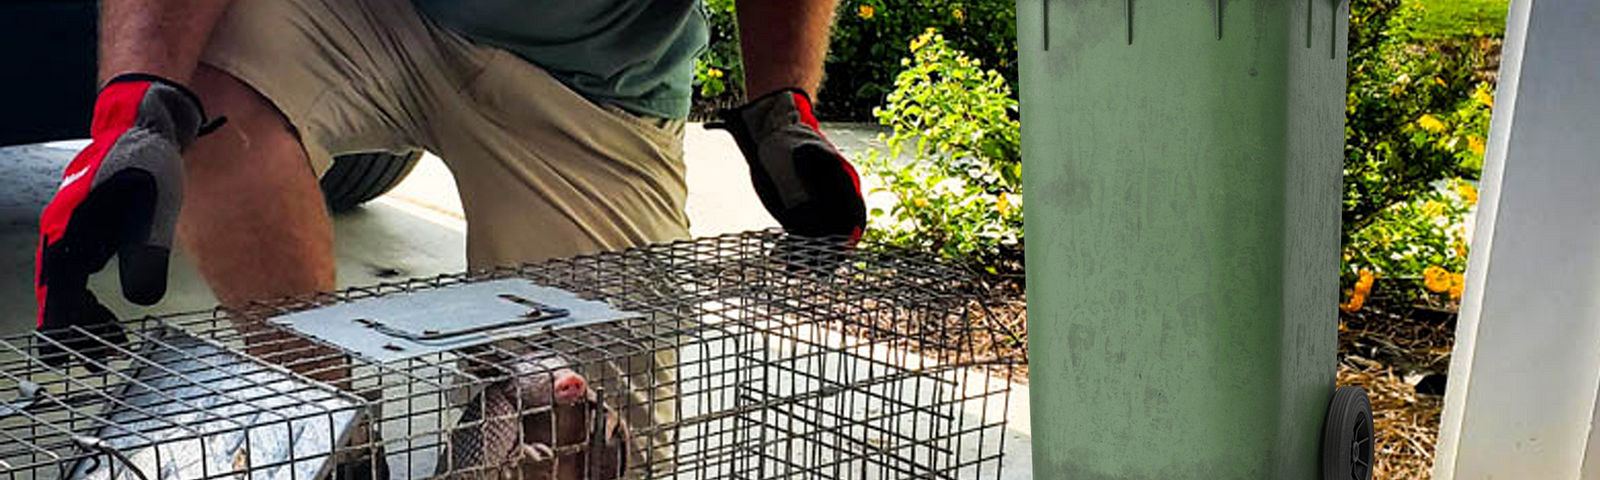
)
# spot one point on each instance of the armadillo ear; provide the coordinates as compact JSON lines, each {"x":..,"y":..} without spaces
{"x":613,"y":423}
{"x":481,"y":362}
{"x":618,"y":442}
{"x":626,"y":449}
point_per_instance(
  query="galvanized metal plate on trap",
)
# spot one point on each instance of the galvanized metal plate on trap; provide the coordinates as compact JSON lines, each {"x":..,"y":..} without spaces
{"x":193,"y":409}
{"x":395,"y":327}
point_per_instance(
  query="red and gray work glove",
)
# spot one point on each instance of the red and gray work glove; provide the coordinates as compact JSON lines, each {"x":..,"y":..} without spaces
{"x":802,"y":180}
{"x":119,"y":196}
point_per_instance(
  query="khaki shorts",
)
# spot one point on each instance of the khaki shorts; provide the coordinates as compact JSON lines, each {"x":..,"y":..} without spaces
{"x":543,"y":172}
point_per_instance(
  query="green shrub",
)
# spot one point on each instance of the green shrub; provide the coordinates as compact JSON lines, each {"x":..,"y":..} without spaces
{"x":1418,"y":247}
{"x":961,"y":196}
{"x":869,"y":39}
{"x":719,"y":74}
{"x":1420,"y":95}
{"x":1418,"y":110}
{"x":864,"y":54}
{"x":1457,"y":19}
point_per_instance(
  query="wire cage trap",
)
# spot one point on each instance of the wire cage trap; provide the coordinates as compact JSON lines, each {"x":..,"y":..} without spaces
{"x":746,"y":356}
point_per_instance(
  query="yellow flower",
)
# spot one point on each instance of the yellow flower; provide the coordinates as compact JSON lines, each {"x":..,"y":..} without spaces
{"x":959,"y":15}
{"x":1432,"y":208}
{"x":1358,"y":295}
{"x":1364,"y":284}
{"x":865,"y":12}
{"x":1468,"y":193}
{"x":714,"y":73}
{"x":1430,"y":123}
{"x":917,"y":43}
{"x":920,"y":203}
{"x":1458,"y":284}
{"x":1439,"y":81}
{"x":1355,"y":302}
{"x":1436,"y":279}
{"x":1461,"y":249}
{"x":1002,"y":204}
{"x":1484,"y":97}
{"x":1475,"y":144}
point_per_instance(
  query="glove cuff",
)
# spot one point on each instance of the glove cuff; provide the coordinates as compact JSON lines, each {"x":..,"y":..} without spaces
{"x":787,"y":91}
{"x":773,"y":111}
{"x":159,"y":104}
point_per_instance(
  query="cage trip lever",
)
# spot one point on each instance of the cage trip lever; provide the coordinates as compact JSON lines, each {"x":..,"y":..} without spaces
{"x":538,"y":312}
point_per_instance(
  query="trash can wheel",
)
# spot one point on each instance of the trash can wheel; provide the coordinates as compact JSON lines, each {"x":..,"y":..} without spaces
{"x":1347,"y":437}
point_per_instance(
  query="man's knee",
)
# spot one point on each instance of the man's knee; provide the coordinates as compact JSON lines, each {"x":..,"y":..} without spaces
{"x":248,"y":111}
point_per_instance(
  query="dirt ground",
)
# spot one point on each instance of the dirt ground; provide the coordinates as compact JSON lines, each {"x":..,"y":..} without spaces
{"x":1400,"y":359}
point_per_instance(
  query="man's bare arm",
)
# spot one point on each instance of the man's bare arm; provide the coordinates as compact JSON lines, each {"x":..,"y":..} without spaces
{"x":157,"y":37}
{"x":802,"y":180}
{"x":784,"y":44}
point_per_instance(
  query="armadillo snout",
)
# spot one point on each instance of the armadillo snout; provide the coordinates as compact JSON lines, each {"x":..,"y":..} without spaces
{"x":570,"y":387}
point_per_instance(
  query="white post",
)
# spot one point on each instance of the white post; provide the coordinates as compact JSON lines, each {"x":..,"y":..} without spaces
{"x":1525,"y":372}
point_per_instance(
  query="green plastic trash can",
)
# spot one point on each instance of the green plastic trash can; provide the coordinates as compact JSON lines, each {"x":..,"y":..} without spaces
{"x":1182,"y":162}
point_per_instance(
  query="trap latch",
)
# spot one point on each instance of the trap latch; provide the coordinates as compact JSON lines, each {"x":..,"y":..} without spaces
{"x":537,"y":313}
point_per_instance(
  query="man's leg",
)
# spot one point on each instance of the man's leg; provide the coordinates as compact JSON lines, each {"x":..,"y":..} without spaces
{"x":253,"y":214}
{"x":295,"y":79}
{"x":254,"y":219}
{"x":157,"y":37}
{"x":300,"y":81}
{"x":545,"y":173}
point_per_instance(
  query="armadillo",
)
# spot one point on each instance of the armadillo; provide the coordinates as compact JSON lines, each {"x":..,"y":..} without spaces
{"x":577,"y":438}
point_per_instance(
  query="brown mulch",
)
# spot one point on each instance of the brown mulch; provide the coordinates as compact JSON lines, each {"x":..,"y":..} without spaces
{"x":1002,"y":322}
{"x":991,"y":330}
{"x":1399,"y":359}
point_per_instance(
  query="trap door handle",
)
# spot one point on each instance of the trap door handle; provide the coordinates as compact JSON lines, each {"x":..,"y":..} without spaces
{"x":538,"y":313}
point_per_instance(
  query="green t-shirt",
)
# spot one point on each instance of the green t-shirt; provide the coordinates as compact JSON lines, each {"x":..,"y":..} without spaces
{"x":635,"y":54}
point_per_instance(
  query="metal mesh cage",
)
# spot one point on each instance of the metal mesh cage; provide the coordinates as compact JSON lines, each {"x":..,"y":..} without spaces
{"x":744,"y":356}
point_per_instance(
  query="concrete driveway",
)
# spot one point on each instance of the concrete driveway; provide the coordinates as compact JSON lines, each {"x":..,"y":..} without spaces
{"x":417,"y":230}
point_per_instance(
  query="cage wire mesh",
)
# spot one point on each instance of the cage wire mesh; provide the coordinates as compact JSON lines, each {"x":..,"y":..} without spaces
{"x":745,"y":356}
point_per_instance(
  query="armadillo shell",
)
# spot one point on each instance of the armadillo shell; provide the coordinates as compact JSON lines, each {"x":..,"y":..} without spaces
{"x":475,"y":442}
{"x":602,"y":446}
